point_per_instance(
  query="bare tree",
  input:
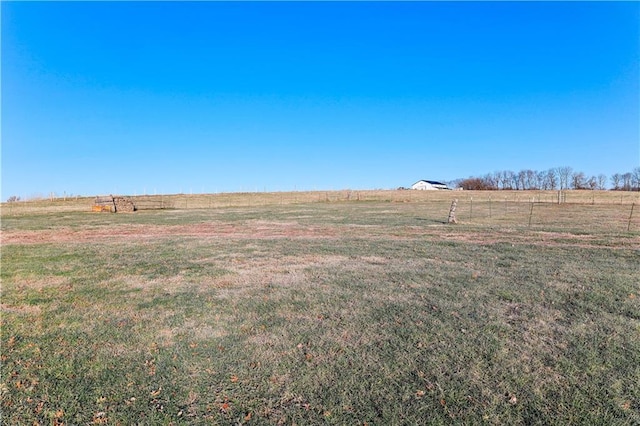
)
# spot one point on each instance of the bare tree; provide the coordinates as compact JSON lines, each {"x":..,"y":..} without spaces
{"x":530,"y":177}
{"x":497,"y":180}
{"x":552,"y":178}
{"x":474,"y":184}
{"x":490,"y":182}
{"x":616,"y":178}
{"x":506,"y":177}
{"x":635,"y":179}
{"x":626,"y":181}
{"x":541,"y":180}
{"x":578,"y":180}
{"x":564,"y":174}
{"x":521,"y":179}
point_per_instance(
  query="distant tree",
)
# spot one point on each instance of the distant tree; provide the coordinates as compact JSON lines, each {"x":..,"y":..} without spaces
{"x":578,"y":181}
{"x":475,"y":184}
{"x":532,"y":179}
{"x":541,"y":180}
{"x":454,"y":183}
{"x":616,"y":178}
{"x":521,"y":180}
{"x":497,"y":179}
{"x":627,"y":180}
{"x":564,"y":175}
{"x":13,"y":199}
{"x":552,"y":178}
{"x":635,"y":179}
{"x":602,"y":181}
{"x":506,"y":179}
{"x":491,"y":181}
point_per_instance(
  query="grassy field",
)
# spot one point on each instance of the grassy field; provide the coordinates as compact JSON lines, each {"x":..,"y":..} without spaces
{"x":343,"y":307}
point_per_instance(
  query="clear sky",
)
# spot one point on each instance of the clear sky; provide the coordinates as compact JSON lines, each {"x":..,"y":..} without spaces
{"x":133,"y":97}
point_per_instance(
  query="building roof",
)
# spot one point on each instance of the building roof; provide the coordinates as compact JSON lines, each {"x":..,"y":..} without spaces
{"x":432,"y":182}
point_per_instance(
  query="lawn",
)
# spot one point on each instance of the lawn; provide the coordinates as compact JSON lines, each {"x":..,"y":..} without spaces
{"x":323,"y":308}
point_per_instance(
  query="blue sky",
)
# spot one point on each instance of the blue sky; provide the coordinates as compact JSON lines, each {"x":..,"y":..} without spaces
{"x":133,"y":97}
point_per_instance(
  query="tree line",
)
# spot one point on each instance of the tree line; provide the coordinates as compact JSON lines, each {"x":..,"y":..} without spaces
{"x":551,"y":179}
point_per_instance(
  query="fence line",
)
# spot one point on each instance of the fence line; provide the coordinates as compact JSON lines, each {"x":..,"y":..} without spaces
{"x":533,"y":209}
{"x":539,"y":214}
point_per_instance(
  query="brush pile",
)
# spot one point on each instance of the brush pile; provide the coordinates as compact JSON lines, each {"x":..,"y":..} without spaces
{"x":113,"y":204}
{"x":124,"y":205}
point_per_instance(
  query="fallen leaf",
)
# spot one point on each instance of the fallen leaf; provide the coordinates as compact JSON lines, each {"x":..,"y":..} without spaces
{"x":420,"y":393}
{"x":234,"y":379}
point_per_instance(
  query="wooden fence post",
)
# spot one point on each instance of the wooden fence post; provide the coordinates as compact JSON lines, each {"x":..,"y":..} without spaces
{"x":452,"y":212}
{"x":630,"y":216}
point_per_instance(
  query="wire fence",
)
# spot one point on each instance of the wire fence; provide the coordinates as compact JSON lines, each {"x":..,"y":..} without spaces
{"x":606,"y":210}
{"x":548,"y":215}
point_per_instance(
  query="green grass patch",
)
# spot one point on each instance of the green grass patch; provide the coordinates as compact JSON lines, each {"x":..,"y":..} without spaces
{"x":333,"y":313}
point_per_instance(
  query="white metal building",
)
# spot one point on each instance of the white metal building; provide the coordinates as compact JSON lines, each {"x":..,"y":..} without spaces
{"x":429,"y":185}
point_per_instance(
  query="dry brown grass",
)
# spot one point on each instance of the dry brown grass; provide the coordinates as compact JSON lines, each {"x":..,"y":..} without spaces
{"x":316,"y":311}
{"x":221,"y":200}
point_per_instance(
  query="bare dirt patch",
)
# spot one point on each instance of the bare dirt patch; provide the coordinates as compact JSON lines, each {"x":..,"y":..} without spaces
{"x":258,"y":229}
